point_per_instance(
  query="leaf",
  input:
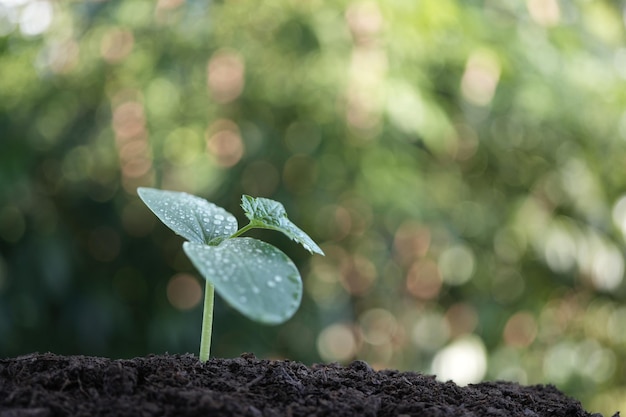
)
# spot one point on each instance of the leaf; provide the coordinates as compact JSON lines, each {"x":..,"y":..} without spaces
{"x":270,"y":214}
{"x":254,"y":277}
{"x":191,"y":217}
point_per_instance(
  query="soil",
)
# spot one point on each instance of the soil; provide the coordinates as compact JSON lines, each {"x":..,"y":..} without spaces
{"x":47,"y":385}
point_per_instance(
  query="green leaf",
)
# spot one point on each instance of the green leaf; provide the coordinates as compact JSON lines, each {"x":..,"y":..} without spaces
{"x":191,"y":217}
{"x":254,"y":277}
{"x":270,"y":214}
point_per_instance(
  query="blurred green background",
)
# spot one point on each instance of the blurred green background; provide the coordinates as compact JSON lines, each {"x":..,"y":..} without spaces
{"x":462,"y":164}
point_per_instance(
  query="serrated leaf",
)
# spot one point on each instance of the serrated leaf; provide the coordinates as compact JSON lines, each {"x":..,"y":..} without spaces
{"x":271,"y":214}
{"x":254,"y":277}
{"x":189,"y":216}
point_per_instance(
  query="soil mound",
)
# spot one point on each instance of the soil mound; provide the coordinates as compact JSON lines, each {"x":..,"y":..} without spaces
{"x":48,"y":385}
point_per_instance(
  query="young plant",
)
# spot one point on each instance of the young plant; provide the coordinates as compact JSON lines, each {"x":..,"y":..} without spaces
{"x":254,"y":277}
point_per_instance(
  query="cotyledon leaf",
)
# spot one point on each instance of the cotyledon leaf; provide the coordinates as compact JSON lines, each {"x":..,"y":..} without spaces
{"x":271,"y":214}
{"x":254,"y":277}
{"x":191,"y":217}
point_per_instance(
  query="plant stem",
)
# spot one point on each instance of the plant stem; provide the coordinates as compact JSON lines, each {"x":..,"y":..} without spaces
{"x":243,"y":230}
{"x":207,"y":322}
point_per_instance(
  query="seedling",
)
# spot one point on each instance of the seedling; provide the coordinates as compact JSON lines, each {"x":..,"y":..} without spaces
{"x":254,"y":277}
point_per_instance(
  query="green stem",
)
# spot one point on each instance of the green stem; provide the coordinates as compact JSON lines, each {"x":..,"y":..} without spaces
{"x":207,"y":322}
{"x":243,"y":230}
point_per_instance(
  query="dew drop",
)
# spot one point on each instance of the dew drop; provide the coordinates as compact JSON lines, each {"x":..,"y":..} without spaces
{"x":255,"y":290}
{"x":271,"y":284}
{"x":218,"y":217}
{"x":278,"y":278}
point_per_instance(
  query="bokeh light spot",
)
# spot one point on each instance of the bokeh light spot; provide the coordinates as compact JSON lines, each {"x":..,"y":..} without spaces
{"x":378,"y":326}
{"x":184,"y":291}
{"x":462,"y":318}
{"x":560,"y":362}
{"x":544,"y":12}
{"x":224,"y":143}
{"x":129,"y":120}
{"x":411,"y":242}
{"x":162,"y":97}
{"x":430,"y":331}
{"x":364,"y":20}
{"x":333,"y":222}
{"x":607,"y":268}
{"x":481,"y":76}
{"x":363,"y":104}
{"x":131,"y":138}
{"x":116,"y":45}
{"x":423,"y":280}
{"x":337,"y":343}
{"x":365,"y":94}
{"x":560,"y":250}
{"x":596,"y":362}
{"x":322,"y":283}
{"x":456,"y":264}
{"x":183,"y":146}
{"x":340,"y":222}
{"x":464,"y":361}
{"x":406,"y":108}
{"x":520,"y":330}
{"x":36,"y":18}
{"x":358,"y":275}
{"x":225,"y":75}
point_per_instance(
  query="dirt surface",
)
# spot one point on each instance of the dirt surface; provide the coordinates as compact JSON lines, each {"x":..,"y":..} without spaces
{"x":46,"y":385}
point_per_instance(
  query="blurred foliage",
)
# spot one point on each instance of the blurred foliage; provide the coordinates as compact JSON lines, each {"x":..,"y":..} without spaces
{"x":462,"y":161}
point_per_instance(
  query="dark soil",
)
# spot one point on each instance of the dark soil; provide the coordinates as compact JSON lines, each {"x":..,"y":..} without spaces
{"x":46,"y":385}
